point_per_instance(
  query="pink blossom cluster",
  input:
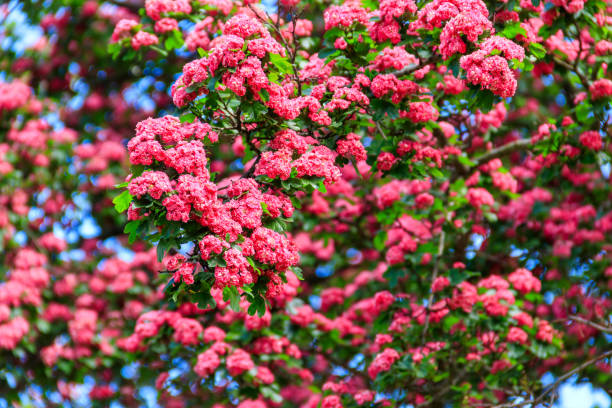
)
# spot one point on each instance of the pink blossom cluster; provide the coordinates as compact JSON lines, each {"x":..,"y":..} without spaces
{"x":226,"y":52}
{"x":434,"y":13}
{"x":13,"y":95}
{"x":351,"y":147}
{"x":387,"y":27}
{"x":190,"y":196}
{"x":471,"y":24}
{"x":393,"y":58}
{"x":344,"y":16}
{"x":493,"y":72}
{"x":292,"y":151}
{"x":155,"y":8}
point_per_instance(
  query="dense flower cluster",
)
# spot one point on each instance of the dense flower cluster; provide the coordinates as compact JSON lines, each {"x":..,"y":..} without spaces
{"x":389,"y":203}
{"x":13,"y":95}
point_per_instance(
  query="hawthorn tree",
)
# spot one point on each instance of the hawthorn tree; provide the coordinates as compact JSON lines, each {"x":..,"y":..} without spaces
{"x":394,"y":203}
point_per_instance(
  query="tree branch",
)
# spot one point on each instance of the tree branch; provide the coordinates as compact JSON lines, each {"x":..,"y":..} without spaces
{"x":415,"y":67}
{"x":435,"y":275}
{"x":606,"y":329}
{"x":502,"y":150}
{"x":556,"y":384}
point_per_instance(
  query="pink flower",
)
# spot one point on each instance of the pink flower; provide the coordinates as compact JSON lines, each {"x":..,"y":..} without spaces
{"x":13,"y":95}
{"x":244,"y":26}
{"x":153,"y":183}
{"x":161,"y":379}
{"x":517,"y":335}
{"x":155,"y":8}
{"x":207,"y":363}
{"x":272,"y":248}
{"x":504,"y":181}
{"x":470,"y":24}
{"x":184,"y":273}
{"x":591,"y":139}
{"x":420,"y":112}
{"x":213,"y":334}
{"x":479,"y":196}
{"x":166,"y":24}
{"x":177,"y":209}
{"x":344,"y":16}
{"x":211,"y":244}
{"x":571,"y":6}
{"x":340,"y":43}
{"x":386,"y":161}
{"x":524,"y":281}
{"x":275,"y":164}
{"x":123,"y":29}
{"x":318,"y":162}
{"x":331,"y":401}
{"x":500,"y":365}
{"x":490,"y":72}
{"x":439,"y":284}
{"x":383,"y":300}
{"x":351,"y":146}
{"x":393,"y":58}
{"x":238,"y":362}
{"x":83,"y":326}
{"x":12,"y":332}
{"x":364,"y":396}
{"x":264,"y":375}
{"x":143,"y":39}
{"x":383,"y":362}
{"x":545,"y":331}
{"x":524,"y":319}
{"x":509,"y":49}
{"x":187,"y":331}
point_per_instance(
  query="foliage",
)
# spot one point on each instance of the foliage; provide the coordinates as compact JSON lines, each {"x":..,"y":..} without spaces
{"x":336,"y":204}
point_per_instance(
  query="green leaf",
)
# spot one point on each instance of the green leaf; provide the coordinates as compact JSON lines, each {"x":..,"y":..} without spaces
{"x":380,"y":239}
{"x":583,"y":110}
{"x":491,"y":217}
{"x":204,"y":300}
{"x":269,"y":393}
{"x":43,"y":325}
{"x":64,"y":366}
{"x":333,"y":33}
{"x":122,"y":201}
{"x":132,"y":229}
{"x":252,"y":263}
{"x":327,"y":52}
{"x":264,"y":208}
{"x":512,"y":30}
{"x":258,"y":305}
{"x":484,"y":100}
{"x":382,"y":108}
{"x":264,"y":95}
{"x":436,"y":172}
{"x":174,"y":41}
{"x":298,"y":272}
{"x":281,"y":63}
{"x":188,"y":118}
{"x":212,"y":84}
{"x":537,"y":49}
{"x":370,"y":4}
{"x":160,"y":50}
{"x":457,"y":276}
{"x":321,"y":187}
{"x":231,"y":293}
{"x":160,"y":253}
{"x":465,"y":161}
{"x":394,"y":274}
